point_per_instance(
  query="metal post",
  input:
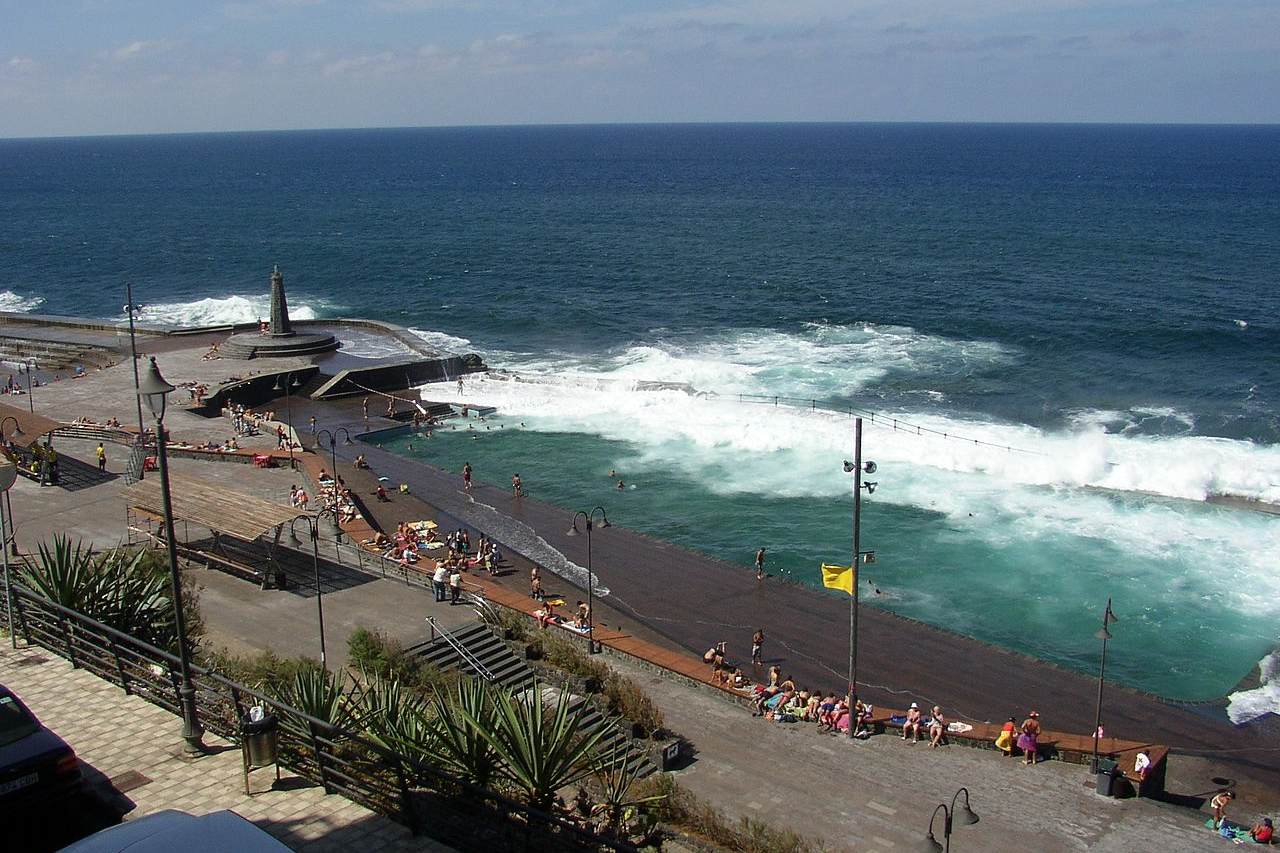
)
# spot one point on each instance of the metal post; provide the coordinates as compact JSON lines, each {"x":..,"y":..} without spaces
{"x":591,"y":615}
{"x":8,"y":585}
{"x":856,"y":580}
{"x":288,"y":408}
{"x":1107,"y":618}
{"x":13,"y":536}
{"x":133,"y":348}
{"x":315,"y":557}
{"x":31,"y":400}
{"x":192,"y":732}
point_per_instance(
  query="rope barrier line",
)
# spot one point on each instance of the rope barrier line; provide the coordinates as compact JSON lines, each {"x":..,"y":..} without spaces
{"x":412,"y":402}
{"x":877,"y":419}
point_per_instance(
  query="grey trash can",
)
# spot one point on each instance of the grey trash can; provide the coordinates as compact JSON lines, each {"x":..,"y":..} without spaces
{"x":1108,"y":773}
{"x":261,"y":740}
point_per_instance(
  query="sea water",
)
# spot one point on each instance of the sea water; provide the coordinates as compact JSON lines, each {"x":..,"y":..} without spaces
{"x":1094,"y":305}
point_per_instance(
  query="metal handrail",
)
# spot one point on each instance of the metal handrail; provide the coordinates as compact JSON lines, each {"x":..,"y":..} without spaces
{"x":463,"y":651}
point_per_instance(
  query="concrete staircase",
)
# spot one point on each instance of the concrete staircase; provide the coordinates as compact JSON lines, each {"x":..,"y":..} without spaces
{"x":53,"y":355}
{"x":485,"y":655}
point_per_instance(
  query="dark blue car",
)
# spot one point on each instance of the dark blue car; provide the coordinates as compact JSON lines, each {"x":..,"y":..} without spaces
{"x":36,"y":766}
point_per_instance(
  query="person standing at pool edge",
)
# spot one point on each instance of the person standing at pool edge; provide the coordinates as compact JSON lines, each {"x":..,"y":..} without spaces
{"x":466,"y":476}
{"x":760,"y":564}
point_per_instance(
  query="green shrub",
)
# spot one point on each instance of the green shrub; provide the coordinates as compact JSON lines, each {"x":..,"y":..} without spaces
{"x":624,"y":697}
{"x":514,"y":625}
{"x":683,"y":809}
{"x":377,"y":654}
{"x":265,"y":671}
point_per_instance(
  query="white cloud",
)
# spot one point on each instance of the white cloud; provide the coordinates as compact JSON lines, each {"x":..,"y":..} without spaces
{"x":135,"y":49}
{"x":21,"y":64}
{"x":373,"y":62}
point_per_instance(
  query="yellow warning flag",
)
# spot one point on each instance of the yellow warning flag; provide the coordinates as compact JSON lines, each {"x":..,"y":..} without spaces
{"x":838,"y":577}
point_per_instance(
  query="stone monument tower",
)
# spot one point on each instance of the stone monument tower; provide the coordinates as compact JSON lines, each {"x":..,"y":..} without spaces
{"x":279,"y":339}
{"x":280,"y":326}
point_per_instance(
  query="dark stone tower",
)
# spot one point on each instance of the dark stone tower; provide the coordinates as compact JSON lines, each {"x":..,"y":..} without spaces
{"x":280,"y":327}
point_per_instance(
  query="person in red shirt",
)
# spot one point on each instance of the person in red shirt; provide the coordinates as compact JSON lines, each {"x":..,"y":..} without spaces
{"x":1263,"y":832}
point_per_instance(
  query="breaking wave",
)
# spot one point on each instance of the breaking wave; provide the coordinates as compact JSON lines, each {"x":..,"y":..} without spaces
{"x":220,"y":311}
{"x":10,"y":301}
{"x":1244,"y":706}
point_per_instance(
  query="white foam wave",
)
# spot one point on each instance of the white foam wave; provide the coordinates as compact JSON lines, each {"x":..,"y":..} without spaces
{"x":218,"y":311}
{"x":1139,"y":419}
{"x":442,"y":341}
{"x":1243,"y":324}
{"x":1245,"y":706}
{"x":815,"y":363}
{"x":10,"y":301}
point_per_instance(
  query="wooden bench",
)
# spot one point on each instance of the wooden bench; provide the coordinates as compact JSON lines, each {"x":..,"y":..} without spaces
{"x":237,"y":568}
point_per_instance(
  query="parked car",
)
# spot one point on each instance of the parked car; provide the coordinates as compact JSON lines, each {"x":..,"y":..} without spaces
{"x":169,"y":830}
{"x":36,"y":766}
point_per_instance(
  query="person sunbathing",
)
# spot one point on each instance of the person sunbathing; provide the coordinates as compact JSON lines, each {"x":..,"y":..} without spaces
{"x":937,"y":727}
{"x":912,"y":724}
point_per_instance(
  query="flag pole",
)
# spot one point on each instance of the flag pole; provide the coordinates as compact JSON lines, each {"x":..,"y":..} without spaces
{"x":853,"y":599}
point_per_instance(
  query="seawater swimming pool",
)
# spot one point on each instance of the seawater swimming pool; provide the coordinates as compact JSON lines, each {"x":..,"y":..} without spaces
{"x":988,"y":573}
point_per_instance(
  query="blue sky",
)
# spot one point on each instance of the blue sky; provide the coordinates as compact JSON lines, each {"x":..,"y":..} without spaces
{"x":129,"y":66}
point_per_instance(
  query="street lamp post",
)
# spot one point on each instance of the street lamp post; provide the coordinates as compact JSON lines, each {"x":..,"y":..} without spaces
{"x":155,"y":390}
{"x":968,"y":817}
{"x":313,"y":528}
{"x":10,"y":539}
{"x":288,"y":383}
{"x":31,"y":400}
{"x":133,"y":310}
{"x":857,"y":467}
{"x":592,"y":646}
{"x":8,"y":476}
{"x":1103,"y":634}
{"x":332,"y":447}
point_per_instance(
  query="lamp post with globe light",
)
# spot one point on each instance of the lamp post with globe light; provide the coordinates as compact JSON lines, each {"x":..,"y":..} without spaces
{"x":592,"y":646}
{"x":155,"y":391}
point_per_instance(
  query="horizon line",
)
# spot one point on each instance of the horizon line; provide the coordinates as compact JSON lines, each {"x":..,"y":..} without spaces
{"x":755,"y":123}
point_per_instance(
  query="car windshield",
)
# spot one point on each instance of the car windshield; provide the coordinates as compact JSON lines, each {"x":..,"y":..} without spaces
{"x":15,"y":722}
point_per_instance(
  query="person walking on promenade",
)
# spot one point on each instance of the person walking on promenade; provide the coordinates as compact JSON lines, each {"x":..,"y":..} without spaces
{"x":466,"y":476}
{"x":364,"y":404}
{"x":1029,"y":740}
{"x":102,"y":458}
{"x":455,"y":584}
{"x":760,"y":564}
{"x":439,"y":580}
{"x":313,"y":424}
{"x":1219,"y":804}
{"x":757,"y":647}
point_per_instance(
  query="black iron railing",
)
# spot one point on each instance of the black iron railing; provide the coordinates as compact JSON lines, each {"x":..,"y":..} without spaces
{"x":408,"y":789}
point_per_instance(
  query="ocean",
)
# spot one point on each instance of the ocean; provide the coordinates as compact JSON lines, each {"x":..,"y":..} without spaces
{"x":1067,"y":336}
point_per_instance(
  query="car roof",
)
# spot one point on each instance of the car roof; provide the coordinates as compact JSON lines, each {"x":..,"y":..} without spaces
{"x":171,"y":829}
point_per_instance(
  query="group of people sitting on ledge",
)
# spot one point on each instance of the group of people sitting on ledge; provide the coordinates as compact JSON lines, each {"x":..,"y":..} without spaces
{"x":781,"y":700}
{"x":334,"y":495}
{"x":113,"y":423}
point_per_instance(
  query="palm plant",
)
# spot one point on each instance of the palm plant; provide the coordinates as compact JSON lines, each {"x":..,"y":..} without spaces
{"x":542,"y":748}
{"x":456,"y":727}
{"x":617,"y":776}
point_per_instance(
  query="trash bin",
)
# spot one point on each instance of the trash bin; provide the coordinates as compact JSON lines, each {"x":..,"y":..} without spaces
{"x":1108,"y":773}
{"x":261,"y":740}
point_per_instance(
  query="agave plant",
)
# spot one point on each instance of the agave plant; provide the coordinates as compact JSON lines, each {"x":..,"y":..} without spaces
{"x":617,"y":776}
{"x":321,"y":694}
{"x":542,"y":748}
{"x":456,"y":728}
{"x":392,"y":716}
{"x":119,"y":588}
